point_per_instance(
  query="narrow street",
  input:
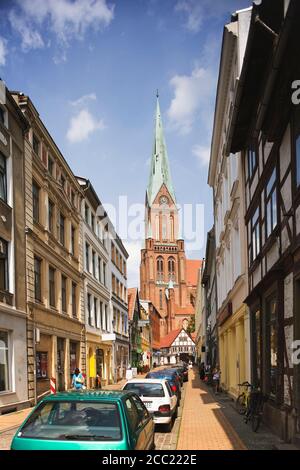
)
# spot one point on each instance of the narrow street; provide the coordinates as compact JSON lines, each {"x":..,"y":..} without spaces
{"x":205,"y":422}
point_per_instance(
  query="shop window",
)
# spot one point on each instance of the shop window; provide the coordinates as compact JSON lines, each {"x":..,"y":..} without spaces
{"x":3,"y":178}
{"x":4,"y":362}
{"x":271,"y":204}
{"x":272,"y":345}
{"x":73,"y":357}
{"x":42,"y":365}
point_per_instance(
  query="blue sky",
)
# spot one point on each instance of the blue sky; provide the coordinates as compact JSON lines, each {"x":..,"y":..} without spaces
{"x":92,"y":67}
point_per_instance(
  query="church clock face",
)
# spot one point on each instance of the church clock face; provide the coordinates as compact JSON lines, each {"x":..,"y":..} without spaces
{"x":163,"y":200}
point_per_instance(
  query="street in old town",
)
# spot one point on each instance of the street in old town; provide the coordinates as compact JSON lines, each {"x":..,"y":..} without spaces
{"x":149,"y":225}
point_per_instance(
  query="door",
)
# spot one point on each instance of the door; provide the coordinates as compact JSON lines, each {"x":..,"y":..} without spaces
{"x":60,"y":364}
{"x":137,"y":431}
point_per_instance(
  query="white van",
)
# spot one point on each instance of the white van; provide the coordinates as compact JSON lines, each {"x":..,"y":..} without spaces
{"x":157,"y":396}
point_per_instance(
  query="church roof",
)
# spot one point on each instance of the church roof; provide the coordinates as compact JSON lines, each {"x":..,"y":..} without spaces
{"x":159,"y":169}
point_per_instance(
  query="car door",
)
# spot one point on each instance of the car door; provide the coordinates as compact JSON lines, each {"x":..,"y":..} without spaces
{"x":172,"y":395}
{"x":136,"y":429}
{"x":145,"y":421}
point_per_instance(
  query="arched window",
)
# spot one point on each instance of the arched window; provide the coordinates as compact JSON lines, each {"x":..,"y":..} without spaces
{"x":172,"y":228}
{"x":160,"y":268}
{"x":171,"y":268}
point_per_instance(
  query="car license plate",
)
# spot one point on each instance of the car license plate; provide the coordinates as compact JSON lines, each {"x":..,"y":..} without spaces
{"x":148,"y":404}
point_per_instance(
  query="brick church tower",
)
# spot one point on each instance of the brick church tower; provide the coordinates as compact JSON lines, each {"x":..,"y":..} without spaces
{"x":167,"y":278}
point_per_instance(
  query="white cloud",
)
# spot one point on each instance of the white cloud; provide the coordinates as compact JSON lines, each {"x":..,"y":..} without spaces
{"x":82,"y":126}
{"x":31,"y":39}
{"x":3,"y":51}
{"x":202,"y":153}
{"x":83,"y":100}
{"x":133,"y":263}
{"x":191,"y":92}
{"x":66,"y":19}
{"x":199,"y":11}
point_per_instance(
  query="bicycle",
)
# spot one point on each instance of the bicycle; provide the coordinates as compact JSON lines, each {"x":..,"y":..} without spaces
{"x":255,"y":408}
{"x":242,"y":400}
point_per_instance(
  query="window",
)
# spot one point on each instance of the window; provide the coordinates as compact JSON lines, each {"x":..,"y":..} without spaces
{"x":3,"y":265}
{"x":64,"y":293}
{"x":74,"y":302}
{"x":50,"y":165}
{"x":62,"y":181}
{"x":87,"y":257}
{"x":35,"y":202}
{"x":272,"y":341}
{"x":104,"y":273}
{"x":96,"y":312}
{"x":52,"y":287}
{"x":255,"y":235}
{"x":271,"y":204}
{"x":3,"y":178}
{"x":160,"y":269}
{"x":50,"y":215}
{"x":171,"y":268}
{"x":72,"y":240}
{"x":93,"y":222}
{"x":2,"y":115}
{"x":160,"y":299}
{"x":94,"y":262}
{"x":62,"y":229}
{"x":99,"y":269}
{"x":37,"y":279}
{"x":86,"y":213}
{"x":252,"y":162}
{"x":101,"y":316}
{"x":4,"y":362}
{"x":105,"y":327}
{"x":35,"y":144}
{"x":89,"y":307}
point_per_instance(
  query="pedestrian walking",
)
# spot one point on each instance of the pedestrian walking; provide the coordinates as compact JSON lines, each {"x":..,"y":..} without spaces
{"x":78,"y":380}
{"x":202,"y":371}
{"x":216,"y":379}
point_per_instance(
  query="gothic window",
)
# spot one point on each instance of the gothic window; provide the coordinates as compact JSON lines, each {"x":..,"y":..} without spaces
{"x":160,"y":269}
{"x":171,"y":268}
{"x":172,"y":228}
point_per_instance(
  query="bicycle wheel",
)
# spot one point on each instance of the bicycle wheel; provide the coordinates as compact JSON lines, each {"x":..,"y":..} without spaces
{"x":255,"y":422}
{"x":240,"y":404}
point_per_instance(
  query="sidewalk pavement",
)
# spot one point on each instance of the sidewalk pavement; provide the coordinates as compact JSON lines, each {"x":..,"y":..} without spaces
{"x":203,"y":424}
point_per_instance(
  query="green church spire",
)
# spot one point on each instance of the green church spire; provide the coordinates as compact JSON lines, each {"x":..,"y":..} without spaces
{"x":159,"y":168}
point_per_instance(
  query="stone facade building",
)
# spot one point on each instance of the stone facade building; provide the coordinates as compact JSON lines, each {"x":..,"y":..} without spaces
{"x":97,"y":295}
{"x":167,"y":278}
{"x":56,"y":323}
{"x":119,"y":302}
{"x":226,"y":177}
{"x":13,"y":316}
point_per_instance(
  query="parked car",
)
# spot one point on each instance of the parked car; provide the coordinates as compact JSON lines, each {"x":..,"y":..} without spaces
{"x":171,"y":377}
{"x":157,"y":396}
{"x":183,"y":371}
{"x":178,"y":375}
{"x":87,"y":420}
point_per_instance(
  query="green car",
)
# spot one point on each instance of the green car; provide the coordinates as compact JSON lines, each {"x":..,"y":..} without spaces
{"x":87,"y":420}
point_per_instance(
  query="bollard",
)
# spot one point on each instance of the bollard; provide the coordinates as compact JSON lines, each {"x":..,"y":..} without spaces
{"x":53,"y":385}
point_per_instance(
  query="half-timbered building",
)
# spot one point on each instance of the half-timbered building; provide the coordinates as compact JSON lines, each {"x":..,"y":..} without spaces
{"x":265,"y":128}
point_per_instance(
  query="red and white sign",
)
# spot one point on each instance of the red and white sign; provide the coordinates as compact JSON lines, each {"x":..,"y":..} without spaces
{"x":53,"y":385}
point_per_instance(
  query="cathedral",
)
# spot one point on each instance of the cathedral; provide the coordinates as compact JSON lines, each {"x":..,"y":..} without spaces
{"x":167,"y":278}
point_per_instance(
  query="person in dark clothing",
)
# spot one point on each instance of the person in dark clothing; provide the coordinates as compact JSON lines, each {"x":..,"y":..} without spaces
{"x":202,"y":371}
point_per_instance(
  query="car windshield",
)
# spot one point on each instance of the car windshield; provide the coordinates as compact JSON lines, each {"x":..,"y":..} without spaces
{"x":146,"y":389}
{"x":73,"y":420}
